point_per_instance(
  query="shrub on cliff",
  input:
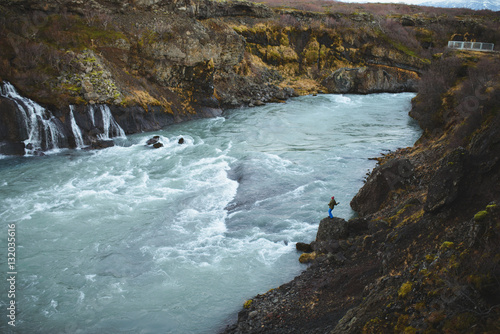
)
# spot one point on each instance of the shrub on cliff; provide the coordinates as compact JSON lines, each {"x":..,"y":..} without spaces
{"x":396,"y":33}
{"x":427,"y":107}
{"x":459,"y":91}
{"x":477,"y":98}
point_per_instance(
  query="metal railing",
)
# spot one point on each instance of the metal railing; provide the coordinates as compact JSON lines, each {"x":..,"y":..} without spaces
{"x":478,"y":46}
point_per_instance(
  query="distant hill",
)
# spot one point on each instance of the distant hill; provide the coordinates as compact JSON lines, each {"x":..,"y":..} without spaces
{"x":493,"y":5}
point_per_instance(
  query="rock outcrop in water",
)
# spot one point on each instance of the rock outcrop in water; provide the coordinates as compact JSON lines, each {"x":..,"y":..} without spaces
{"x":423,"y":257}
{"x":154,"y":63}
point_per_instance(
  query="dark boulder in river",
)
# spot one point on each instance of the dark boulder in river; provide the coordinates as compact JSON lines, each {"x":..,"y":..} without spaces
{"x":153,"y":140}
{"x":100,"y":144}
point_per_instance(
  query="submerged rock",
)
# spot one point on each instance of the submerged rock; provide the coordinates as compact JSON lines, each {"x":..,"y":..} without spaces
{"x":100,"y":144}
{"x":9,"y":148}
{"x":155,"y":142}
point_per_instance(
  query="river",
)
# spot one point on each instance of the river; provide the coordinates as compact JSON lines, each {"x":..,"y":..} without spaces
{"x":132,"y":239}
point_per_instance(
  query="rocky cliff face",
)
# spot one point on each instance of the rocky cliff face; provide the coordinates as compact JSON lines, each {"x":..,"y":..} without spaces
{"x":423,"y":254}
{"x":158,"y":62}
{"x":372,"y":79}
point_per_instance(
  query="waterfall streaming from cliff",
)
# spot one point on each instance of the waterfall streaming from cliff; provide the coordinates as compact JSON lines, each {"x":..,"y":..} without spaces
{"x":43,"y":130}
{"x":76,"y":129}
{"x":110,"y":127}
{"x":92,"y":114}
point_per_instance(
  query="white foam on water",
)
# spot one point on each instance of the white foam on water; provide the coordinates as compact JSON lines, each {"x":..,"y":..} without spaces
{"x":283,"y":166}
{"x":90,"y":278}
{"x":340,"y":99}
{"x":297,"y":229}
{"x":94,"y":194}
{"x":270,"y":252}
{"x":217,"y":227}
{"x":117,"y":287}
{"x":24,"y":207}
{"x":214,"y":248}
{"x":81,"y":297}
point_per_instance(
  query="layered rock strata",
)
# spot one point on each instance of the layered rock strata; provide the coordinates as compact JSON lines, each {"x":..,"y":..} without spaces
{"x":157,"y":62}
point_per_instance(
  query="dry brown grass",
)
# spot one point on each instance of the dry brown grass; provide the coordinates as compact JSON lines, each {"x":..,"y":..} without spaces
{"x":303,"y":85}
{"x":145,"y":100}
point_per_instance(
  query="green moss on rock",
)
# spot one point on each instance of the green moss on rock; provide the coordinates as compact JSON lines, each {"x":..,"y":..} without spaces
{"x":405,"y":289}
{"x":248,"y":303}
{"x":491,"y":207}
{"x":447,"y":245}
{"x":480,"y":216}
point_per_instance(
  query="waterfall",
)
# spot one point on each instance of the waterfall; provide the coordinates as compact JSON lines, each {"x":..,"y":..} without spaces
{"x":43,"y":131}
{"x":76,"y":129}
{"x":110,"y":127}
{"x":92,"y":114}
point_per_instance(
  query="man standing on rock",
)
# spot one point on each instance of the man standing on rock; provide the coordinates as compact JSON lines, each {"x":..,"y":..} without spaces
{"x":331,"y":205}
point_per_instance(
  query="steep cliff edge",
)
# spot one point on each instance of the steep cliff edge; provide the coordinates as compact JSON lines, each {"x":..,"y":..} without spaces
{"x":159,"y":62}
{"x":424,"y":254}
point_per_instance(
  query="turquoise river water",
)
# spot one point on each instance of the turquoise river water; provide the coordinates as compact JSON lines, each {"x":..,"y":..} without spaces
{"x":132,"y":239}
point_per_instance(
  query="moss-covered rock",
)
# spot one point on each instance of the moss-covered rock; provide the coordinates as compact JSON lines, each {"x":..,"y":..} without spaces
{"x":247,"y":303}
{"x":480,"y":216}
{"x":91,"y":79}
{"x":307,"y":257}
{"x":405,"y":289}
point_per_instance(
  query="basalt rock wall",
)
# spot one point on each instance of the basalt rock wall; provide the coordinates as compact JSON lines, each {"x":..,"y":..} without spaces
{"x":191,"y":59}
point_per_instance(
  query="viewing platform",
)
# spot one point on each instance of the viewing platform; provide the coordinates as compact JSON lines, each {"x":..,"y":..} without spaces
{"x":475,"y":46}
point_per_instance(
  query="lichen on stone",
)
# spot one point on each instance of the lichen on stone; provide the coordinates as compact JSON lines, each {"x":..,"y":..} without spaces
{"x":447,"y":245}
{"x":247,"y":303}
{"x":91,"y":79}
{"x":307,"y":257}
{"x":405,"y":289}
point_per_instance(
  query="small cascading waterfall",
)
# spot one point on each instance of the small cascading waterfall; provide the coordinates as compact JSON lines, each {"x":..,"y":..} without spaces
{"x":76,"y":129}
{"x":92,"y":114}
{"x":43,"y":131}
{"x":110,"y":126}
